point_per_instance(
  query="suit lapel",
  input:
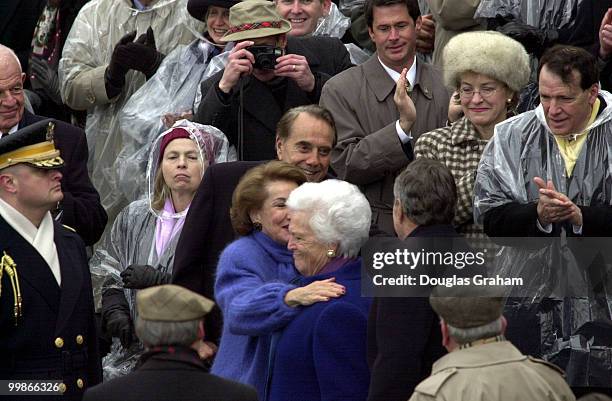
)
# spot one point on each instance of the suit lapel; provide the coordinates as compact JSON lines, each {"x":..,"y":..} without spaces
{"x":31,"y":267}
{"x":72,"y":277}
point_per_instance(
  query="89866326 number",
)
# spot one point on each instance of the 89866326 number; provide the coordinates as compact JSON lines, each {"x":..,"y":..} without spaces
{"x":30,"y":387}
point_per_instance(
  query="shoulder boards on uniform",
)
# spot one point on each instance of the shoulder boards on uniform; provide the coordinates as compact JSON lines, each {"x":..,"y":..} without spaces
{"x":550,"y":365}
{"x":69,"y":228}
{"x":432,"y":384}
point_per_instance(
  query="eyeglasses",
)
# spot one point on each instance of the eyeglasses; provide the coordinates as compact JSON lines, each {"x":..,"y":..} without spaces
{"x":14,"y":91}
{"x":485,"y":92}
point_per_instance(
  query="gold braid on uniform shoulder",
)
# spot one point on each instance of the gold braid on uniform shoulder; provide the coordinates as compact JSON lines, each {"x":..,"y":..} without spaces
{"x":8,"y":265}
{"x":69,"y":228}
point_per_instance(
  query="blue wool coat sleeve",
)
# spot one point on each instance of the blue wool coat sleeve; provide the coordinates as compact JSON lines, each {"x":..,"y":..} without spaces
{"x":252,"y":303}
{"x":340,"y":363}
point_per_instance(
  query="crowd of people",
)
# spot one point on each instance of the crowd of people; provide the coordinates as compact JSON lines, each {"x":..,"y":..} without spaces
{"x":187,"y":186}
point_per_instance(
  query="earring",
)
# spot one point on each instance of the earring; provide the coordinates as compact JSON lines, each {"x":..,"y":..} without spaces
{"x":331,"y":253}
{"x":257,"y":226}
{"x":508,"y":101}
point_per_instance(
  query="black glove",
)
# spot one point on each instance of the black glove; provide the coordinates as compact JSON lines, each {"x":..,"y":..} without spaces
{"x":149,"y":59}
{"x":44,"y":77}
{"x":143,"y":276}
{"x":535,"y":40}
{"x":114,"y":76}
{"x":119,"y":324}
{"x":116,"y":319}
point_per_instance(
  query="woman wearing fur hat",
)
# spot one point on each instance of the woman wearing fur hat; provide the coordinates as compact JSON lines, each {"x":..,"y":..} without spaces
{"x":487,"y":70}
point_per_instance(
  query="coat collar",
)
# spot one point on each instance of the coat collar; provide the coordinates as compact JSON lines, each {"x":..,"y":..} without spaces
{"x":382,"y":85}
{"x":463,"y":130}
{"x":31,"y":267}
{"x":479,"y":355}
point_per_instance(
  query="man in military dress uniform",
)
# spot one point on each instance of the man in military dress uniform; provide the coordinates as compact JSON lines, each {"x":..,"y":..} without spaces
{"x":47,"y":329}
{"x":481,"y":364}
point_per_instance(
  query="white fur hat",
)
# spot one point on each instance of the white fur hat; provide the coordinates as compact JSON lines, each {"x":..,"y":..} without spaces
{"x":488,"y":53}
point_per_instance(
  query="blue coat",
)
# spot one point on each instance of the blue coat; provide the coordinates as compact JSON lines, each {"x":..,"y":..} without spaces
{"x":321,"y":354}
{"x":252,"y":279}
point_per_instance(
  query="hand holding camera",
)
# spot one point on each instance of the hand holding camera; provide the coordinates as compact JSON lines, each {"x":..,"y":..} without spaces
{"x":295,"y":67}
{"x":245,"y":57}
{"x":240,"y":62}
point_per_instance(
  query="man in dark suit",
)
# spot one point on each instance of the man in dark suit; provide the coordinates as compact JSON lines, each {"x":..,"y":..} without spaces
{"x":305,"y":136}
{"x":403,"y":333}
{"x":172,"y":367}
{"x":81,"y":207}
{"x":47,"y":327}
{"x":292,"y":73}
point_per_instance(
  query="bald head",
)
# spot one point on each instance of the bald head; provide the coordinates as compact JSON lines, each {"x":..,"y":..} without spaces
{"x":8,"y":56}
{"x":12,"y":98}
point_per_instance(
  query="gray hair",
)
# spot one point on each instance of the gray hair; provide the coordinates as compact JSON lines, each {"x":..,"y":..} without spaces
{"x":427,"y":192}
{"x":464,"y":336}
{"x":154,"y":333}
{"x":5,"y":49}
{"x":340,"y":213}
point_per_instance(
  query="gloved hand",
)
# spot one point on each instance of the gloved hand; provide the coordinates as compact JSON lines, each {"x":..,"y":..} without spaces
{"x":140,"y":55}
{"x":143,"y":276}
{"x":45,"y":78}
{"x":535,"y":40}
{"x":148,"y":59}
{"x":116,"y":319}
{"x":119,"y":324}
{"x":114,"y":77}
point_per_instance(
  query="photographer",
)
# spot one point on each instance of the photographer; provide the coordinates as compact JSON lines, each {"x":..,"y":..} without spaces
{"x":273,"y":72}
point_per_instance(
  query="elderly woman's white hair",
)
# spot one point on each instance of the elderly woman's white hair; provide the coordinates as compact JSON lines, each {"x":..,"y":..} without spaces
{"x":339,"y":213}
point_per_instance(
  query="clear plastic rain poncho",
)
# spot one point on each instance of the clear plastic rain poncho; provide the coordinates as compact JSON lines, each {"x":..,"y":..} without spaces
{"x":335,"y":25}
{"x":171,"y":91}
{"x":132,"y":238}
{"x":86,"y":54}
{"x":564,"y":296}
{"x":543,"y":14}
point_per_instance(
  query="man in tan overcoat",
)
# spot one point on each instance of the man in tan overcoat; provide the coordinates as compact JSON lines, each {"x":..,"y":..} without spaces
{"x":383,"y":105}
{"x":481,"y":364}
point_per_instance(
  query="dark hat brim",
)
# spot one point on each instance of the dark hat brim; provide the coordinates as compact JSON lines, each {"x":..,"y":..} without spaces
{"x":198,"y":8}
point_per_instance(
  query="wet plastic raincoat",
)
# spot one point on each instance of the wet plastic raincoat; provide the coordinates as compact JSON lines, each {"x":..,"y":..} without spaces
{"x":98,"y":27}
{"x":172,"y":90}
{"x":132,"y":238}
{"x":335,"y":25}
{"x":563,"y":316}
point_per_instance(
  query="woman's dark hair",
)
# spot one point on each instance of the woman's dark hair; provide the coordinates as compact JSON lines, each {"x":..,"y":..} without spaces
{"x":251,"y":192}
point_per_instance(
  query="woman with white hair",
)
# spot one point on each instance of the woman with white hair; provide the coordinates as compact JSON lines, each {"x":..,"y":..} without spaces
{"x":330,"y":222}
{"x":487,"y":70}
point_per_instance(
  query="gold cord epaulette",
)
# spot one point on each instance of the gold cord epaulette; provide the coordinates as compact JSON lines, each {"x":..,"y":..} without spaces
{"x":8,"y":265}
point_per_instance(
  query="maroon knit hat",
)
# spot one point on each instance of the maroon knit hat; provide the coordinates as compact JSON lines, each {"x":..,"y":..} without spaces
{"x":175,"y":133}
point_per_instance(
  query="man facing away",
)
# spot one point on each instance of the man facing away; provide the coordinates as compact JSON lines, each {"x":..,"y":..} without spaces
{"x":169,"y":322}
{"x":481,"y":363}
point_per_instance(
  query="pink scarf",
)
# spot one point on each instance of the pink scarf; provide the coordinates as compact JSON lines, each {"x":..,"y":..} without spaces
{"x":167,"y":226}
